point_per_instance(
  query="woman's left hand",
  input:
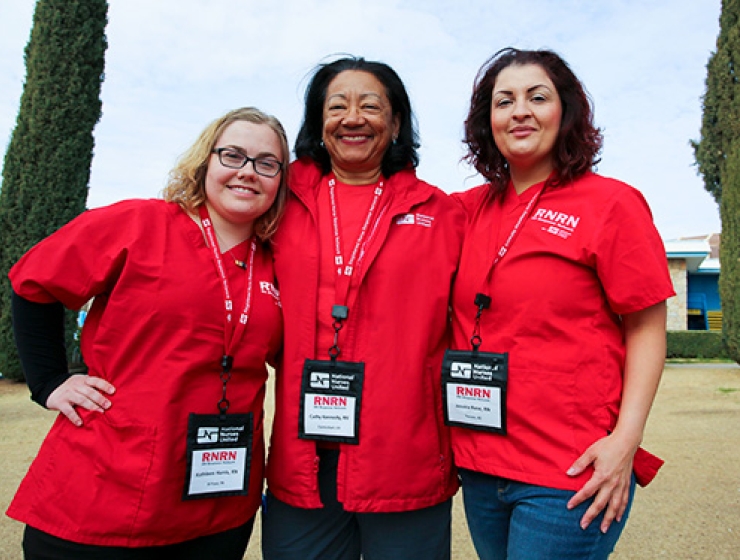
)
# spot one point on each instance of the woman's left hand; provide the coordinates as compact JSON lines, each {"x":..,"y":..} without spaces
{"x":609,"y":485}
{"x":612,"y":456}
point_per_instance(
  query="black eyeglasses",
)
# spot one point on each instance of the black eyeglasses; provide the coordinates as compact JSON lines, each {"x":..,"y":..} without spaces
{"x":266,"y":166}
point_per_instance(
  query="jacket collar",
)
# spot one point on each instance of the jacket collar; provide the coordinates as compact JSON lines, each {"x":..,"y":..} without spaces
{"x":405,"y":188}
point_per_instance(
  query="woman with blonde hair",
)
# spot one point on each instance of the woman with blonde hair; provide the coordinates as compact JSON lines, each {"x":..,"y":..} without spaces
{"x":158,"y":451}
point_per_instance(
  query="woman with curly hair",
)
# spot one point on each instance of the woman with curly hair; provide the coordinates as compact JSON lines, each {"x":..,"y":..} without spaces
{"x":558,"y":318}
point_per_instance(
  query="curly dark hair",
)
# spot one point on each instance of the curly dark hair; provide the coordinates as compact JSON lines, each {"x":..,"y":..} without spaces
{"x":578,"y":143}
{"x":400,"y":154}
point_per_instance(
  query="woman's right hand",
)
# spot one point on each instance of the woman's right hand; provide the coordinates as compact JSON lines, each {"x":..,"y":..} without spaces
{"x":80,"y":390}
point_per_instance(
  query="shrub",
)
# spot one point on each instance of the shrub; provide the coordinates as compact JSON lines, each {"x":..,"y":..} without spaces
{"x":705,"y":345}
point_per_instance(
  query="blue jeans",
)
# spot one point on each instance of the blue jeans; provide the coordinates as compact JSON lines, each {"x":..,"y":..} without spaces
{"x":516,"y":521}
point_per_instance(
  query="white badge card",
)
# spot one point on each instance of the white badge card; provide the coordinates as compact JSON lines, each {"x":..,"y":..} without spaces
{"x":331,"y":395}
{"x":474,"y":390}
{"x":219,"y":455}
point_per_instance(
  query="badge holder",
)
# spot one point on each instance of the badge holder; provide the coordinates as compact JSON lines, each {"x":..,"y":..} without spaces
{"x":219,"y":455}
{"x":474,"y":384}
{"x":218,"y":450}
{"x":331,"y":394}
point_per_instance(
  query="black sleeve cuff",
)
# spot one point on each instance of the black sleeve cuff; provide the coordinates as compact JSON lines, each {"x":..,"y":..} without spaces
{"x":39,"y":336}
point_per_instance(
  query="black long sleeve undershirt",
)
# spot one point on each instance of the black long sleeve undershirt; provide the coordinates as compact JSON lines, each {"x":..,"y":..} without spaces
{"x":39,"y":336}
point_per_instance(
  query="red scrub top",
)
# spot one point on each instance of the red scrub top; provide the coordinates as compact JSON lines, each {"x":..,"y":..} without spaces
{"x":156,"y":332}
{"x":587,"y":253}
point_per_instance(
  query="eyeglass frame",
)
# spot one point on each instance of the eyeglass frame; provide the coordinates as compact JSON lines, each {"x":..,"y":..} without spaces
{"x":247,"y":159}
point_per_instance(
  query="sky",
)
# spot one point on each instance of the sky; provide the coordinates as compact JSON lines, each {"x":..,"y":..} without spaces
{"x":173,"y":66}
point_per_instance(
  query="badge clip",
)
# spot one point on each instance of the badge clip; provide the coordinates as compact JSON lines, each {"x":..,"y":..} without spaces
{"x":339,"y":313}
{"x":482,"y":301}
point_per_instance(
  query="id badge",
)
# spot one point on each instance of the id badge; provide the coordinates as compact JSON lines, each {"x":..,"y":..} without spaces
{"x":474,"y":390}
{"x":219,"y":455}
{"x":331,"y":395}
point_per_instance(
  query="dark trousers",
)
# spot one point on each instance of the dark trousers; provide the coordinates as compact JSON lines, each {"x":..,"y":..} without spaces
{"x":228,"y":545}
{"x":331,"y":533}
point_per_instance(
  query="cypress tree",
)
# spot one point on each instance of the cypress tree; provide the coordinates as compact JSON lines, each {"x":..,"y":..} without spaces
{"x":718,"y":158}
{"x":47,"y":165}
{"x":720,"y":125}
{"x":729,"y":253}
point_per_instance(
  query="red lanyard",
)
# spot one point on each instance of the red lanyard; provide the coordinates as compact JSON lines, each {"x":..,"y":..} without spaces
{"x":514,"y":233}
{"x":231,"y":335}
{"x":482,"y":300}
{"x":346,"y":270}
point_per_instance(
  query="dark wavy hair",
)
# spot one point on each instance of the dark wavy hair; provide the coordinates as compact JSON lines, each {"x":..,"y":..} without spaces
{"x":578,"y":142}
{"x":400,"y":154}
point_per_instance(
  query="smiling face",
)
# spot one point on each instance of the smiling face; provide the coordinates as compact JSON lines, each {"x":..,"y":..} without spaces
{"x":237,"y":197}
{"x":359,"y":125}
{"x":525,"y":118}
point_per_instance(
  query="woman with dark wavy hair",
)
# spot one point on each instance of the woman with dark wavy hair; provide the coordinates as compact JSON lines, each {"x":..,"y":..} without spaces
{"x":558,"y":322}
{"x":360,"y":460}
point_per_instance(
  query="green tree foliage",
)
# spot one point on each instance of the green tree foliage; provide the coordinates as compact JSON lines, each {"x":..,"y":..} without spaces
{"x":47,"y":165}
{"x":718,"y":157}
{"x":721,"y":116}
{"x":729,"y":253}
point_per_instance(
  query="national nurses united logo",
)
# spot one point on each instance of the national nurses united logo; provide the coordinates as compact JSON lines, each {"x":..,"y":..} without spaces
{"x":207,"y":435}
{"x":415,"y":219}
{"x":320,"y":380}
{"x":461,"y":370}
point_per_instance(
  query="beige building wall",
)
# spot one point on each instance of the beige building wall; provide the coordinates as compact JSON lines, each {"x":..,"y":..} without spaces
{"x":677,"y":318}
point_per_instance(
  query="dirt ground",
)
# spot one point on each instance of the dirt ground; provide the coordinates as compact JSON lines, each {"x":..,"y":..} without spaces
{"x":690,"y":511}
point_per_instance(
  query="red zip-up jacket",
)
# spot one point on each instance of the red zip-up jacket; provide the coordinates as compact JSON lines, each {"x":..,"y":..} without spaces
{"x":398,"y":326}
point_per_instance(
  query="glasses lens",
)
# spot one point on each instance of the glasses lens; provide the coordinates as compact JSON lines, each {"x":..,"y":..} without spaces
{"x":267,"y":166}
{"x":231,"y":158}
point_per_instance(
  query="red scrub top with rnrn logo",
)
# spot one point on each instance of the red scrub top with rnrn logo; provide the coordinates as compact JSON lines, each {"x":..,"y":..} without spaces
{"x":587,"y":253}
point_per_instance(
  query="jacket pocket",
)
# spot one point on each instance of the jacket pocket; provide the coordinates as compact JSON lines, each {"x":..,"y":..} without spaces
{"x":433,"y":375}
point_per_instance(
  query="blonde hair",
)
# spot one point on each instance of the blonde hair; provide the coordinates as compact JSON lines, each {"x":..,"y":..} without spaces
{"x":186,"y":183}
